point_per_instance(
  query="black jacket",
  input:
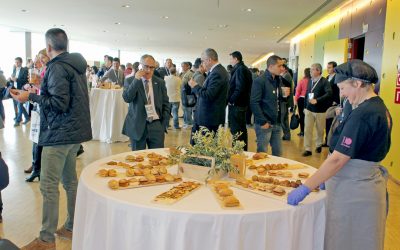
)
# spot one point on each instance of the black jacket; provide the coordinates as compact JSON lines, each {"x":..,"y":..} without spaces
{"x":240,"y":85}
{"x":335,"y":90}
{"x":22,"y":77}
{"x":266,"y":94}
{"x":211,"y":103}
{"x":323,"y":95}
{"x":64,"y":102}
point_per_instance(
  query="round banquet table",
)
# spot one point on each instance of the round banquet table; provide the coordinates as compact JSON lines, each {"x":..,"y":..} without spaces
{"x":108,"y":111}
{"x":128,"y":219}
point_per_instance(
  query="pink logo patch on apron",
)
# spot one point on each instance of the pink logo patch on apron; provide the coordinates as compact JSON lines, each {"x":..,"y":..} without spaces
{"x":346,"y":142}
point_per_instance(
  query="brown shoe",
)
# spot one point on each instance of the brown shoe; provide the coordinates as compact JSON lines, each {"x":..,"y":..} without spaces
{"x":63,"y":233}
{"x":28,"y":170}
{"x":38,"y":244}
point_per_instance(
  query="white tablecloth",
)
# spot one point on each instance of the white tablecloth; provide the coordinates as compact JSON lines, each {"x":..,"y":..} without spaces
{"x":108,"y":111}
{"x":128,"y":219}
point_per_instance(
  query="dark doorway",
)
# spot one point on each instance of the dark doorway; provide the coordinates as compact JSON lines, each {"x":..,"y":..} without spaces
{"x":357,"y":51}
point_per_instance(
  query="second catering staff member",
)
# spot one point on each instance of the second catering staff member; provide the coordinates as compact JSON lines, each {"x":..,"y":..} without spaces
{"x":356,"y":184}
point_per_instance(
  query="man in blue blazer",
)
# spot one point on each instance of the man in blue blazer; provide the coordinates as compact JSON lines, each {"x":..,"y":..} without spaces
{"x":149,"y":111}
{"x":212,"y":97}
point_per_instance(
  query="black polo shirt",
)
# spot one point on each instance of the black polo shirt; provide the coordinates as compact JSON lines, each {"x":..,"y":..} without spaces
{"x":365,"y":132}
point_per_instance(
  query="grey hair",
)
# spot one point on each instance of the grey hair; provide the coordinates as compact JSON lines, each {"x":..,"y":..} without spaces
{"x":145,"y":56}
{"x":211,"y":54}
{"x":317,"y":66}
{"x":57,"y":38}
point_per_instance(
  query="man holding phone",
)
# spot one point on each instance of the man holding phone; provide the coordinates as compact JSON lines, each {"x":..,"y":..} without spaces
{"x":149,"y":109}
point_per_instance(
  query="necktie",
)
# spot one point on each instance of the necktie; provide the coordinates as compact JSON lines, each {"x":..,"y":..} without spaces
{"x":146,"y":85}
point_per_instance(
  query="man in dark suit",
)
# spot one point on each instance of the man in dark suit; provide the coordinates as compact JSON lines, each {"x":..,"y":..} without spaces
{"x":239,"y":96}
{"x":165,"y":71}
{"x":335,"y":97}
{"x":149,"y":111}
{"x":212,"y":97}
{"x":20,"y":78}
{"x":317,"y":100}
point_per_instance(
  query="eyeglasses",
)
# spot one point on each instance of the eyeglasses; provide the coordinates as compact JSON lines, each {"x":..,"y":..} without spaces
{"x":148,"y":67}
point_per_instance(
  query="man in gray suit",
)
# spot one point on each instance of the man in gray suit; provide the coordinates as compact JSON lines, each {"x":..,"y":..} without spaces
{"x":149,"y":111}
{"x":114,"y":74}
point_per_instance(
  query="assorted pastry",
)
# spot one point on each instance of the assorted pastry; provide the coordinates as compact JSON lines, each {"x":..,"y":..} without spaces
{"x":225,"y":195}
{"x":145,"y":180}
{"x":263,"y":187}
{"x":177,"y":192}
{"x":260,"y":156}
{"x":270,"y":180}
{"x":303,"y":175}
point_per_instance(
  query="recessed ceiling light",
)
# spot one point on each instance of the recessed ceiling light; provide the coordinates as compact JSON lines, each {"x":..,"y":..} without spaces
{"x":190,"y":32}
{"x":165,"y":17}
{"x":126,"y":6}
{"x":223,"y":26}
{"x":117,"y":23}
{"x":24,"y":11}
{"x":249,"y":10}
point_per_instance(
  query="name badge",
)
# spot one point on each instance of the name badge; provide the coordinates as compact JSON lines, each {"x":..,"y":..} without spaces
{"x":149,"y":111}
{"x":310,"y":96}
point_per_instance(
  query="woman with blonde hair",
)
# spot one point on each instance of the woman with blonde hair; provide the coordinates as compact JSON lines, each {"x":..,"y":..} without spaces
{"x":40,"y":65}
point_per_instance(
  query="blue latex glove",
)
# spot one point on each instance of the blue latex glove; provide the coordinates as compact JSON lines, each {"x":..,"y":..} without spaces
{"x":322,"y":186}
{"x":298,"y":195}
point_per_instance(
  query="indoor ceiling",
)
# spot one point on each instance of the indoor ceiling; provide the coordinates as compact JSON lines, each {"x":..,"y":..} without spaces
{"x":174,"y":28}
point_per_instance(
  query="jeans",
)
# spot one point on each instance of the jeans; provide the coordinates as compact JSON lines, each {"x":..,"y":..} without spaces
{"x":58,"y":164}
{"x":21,"y":111}
{"x":187,"y":115}
{"x":237,"y":122}
{"x":270,"y":136}
{"x":2,"y":112}
{"x":174,"y":111}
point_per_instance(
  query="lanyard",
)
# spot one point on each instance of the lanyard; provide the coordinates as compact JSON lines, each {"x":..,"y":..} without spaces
{"x":315,"y":85}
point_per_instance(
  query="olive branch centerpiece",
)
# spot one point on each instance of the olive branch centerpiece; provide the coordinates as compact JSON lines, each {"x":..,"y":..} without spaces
{"x":220,"y":145}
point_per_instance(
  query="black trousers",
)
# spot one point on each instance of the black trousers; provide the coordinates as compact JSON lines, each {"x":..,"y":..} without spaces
{"x":36,"y":157}
{"x":328,"y":128}
{"x":153,"y":137}
{"x":1,"y":204}
{"x":285,"y":120}
{"x":300,"y":105}
{"x":237,"y":123}
{"x":248,"y":116}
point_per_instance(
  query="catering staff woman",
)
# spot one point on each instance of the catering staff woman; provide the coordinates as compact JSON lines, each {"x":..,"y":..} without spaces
{"x":356,"y":184}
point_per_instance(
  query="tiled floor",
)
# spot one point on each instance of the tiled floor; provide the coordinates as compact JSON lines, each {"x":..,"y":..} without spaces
{"x":22,"y":201}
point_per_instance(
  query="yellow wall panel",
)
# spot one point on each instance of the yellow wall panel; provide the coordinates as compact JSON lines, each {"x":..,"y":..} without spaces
{"x":391,"y":55}
{"x":306,"y":56}
{"x":336,"y":51}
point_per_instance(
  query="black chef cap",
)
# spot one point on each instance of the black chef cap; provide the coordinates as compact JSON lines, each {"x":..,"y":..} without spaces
{"x":357,"y":70}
